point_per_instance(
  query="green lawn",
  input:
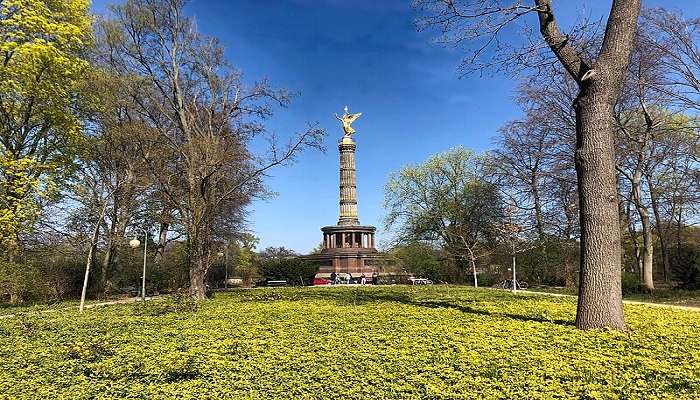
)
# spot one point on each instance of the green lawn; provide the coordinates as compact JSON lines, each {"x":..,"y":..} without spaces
{"x":344,"y":343}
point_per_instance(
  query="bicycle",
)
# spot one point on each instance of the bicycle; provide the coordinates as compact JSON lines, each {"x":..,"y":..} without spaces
{"x":508,"y":284}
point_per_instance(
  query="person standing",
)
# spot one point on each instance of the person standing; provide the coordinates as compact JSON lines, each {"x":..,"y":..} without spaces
{"x":363,"y":279}
{"x":334,"y":278}
{"x":375,"y":278}
{"x":348,"y":277}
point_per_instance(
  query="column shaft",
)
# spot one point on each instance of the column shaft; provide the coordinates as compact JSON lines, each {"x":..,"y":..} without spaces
{"x":348,"y":183}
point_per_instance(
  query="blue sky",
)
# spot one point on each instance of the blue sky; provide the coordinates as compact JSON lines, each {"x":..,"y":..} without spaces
{"x":369,"y":56}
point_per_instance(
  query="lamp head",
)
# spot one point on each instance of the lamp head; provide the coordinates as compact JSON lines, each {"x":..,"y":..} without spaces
{"x":134,"y":243}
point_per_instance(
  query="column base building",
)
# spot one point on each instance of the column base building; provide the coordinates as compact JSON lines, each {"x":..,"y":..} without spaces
{"x":348,"y":249}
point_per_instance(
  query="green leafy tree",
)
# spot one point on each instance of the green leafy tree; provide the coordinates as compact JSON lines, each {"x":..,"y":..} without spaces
{"x":42,"y":63}
{"x":446,"y":200}
{"x":426,"y":261}
{"x":277,"y":253}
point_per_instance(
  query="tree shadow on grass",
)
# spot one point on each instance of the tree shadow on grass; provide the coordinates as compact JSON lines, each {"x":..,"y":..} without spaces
{"x":357,"y":296}
{"x":407,"y":299}
{"x":471,"y":310}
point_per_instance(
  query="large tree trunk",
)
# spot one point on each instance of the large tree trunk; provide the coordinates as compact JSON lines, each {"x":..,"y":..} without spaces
{"x":199,"y":264}
{"x":198,"y":277}
{"x":647,"y":267}
{"x":600,"y":291}
{"x":109,"y":251}
{"x":106,"y":267}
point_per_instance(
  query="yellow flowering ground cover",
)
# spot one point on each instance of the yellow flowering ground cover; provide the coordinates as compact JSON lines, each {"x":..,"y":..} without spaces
{"x":349,"y":343}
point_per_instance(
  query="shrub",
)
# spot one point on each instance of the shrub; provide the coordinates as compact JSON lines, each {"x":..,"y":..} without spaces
{"x":487,"y":279}
{"x":424,"y":261}
{"x":19,"y":282}
{"x":630,"y":283}
{"x":294,"y":270}
{"x":548,"y":262}
{"x":178,"y":303}
{"x":685,"y":266}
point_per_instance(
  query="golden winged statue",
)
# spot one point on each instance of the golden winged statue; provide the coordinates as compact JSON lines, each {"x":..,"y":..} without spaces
{"x":347,"y":120}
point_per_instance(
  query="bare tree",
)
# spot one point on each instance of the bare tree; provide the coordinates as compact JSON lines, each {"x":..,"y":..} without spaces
{"x":677,"y":41}
{"x":673,"y":186}
{"x":522,"y":162}
{"x":200,"y":118}
{"x":640,"y":117}
{"x":599,"y":79}
{"x":654,"y":130}
{"x":540,"y":147}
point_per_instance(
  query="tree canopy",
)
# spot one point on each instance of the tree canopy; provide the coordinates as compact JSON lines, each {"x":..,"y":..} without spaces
{"x":43,"y":61}
{"x":449,"y":200}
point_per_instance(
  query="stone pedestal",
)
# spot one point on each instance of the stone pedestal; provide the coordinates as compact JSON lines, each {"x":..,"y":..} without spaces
{"x":348,"y":248}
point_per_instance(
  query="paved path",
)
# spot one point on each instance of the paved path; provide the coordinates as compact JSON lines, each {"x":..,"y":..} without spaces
{"x":93,"y":305}
{"x":644,"y":303}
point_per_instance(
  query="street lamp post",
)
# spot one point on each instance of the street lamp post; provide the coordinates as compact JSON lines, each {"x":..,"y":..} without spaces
{"x":135,"y":243}
{"x":513,"y":230}
{"x":515,"y":282}
{"x":225,"y":255}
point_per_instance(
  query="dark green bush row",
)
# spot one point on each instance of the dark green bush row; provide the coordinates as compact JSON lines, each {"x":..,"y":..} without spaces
{"x":294,"y":270}
{"x":21,"y":282}
{"x":51,"y":274}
